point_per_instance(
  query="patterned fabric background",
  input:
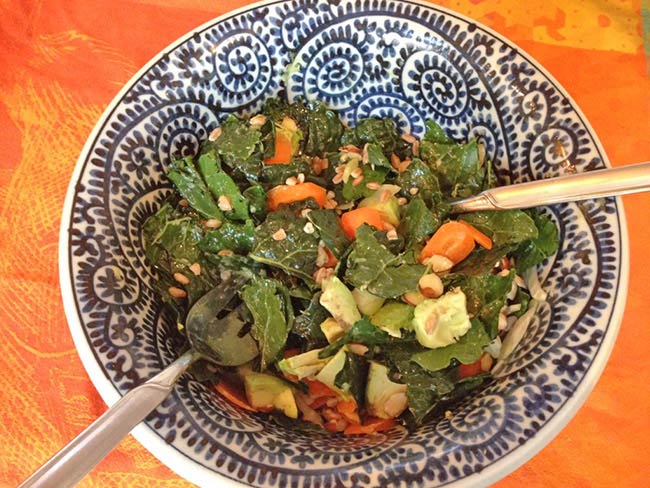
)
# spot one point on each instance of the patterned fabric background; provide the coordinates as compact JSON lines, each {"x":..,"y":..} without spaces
{"x":61,"y":62}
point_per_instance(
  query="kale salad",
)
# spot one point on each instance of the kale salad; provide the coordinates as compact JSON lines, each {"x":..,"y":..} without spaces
{"x":367,"y":302}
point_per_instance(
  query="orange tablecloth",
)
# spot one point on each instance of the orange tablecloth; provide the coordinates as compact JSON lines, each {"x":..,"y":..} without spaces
{"x":62,"y":61}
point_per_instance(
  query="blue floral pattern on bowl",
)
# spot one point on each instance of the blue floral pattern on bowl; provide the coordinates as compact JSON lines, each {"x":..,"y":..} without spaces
{"x":365,"y":58}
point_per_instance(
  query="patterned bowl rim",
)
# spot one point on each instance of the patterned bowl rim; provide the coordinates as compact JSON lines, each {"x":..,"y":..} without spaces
{"x":202,"y":476}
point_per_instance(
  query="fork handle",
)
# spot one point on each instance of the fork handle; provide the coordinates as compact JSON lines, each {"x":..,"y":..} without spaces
{"x":68,"y":466}
{"x":582,"y":186}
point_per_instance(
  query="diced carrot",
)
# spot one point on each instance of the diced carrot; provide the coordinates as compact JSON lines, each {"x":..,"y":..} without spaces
{"x":234,"y":395}
{"x":371,"y":425}
{"x":478,"y":236}
{"x":283,"y":150}
{"x":283,"y":194}
{"x":352,"y":220}
{"x":452,"y":240}
{"x":467,"y":370}
{"x":331,"y":259}
{"x":320,"y":402}
{"x":348,"y":408}
{"x":319,"y":389}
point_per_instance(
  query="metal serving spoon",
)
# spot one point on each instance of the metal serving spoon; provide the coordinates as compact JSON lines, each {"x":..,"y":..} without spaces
{"x":217,"y":338}
{"x":610,"y":182}
{"x":213,"y":332}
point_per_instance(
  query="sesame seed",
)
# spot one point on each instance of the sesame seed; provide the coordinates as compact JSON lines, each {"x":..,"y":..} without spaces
{"x":391,"y":235}
{"x":330,"y":204}
{"x":337,"y":179}
{"x":184,"y":203}
{"x":226,"y":252}
{"x":292,"y":181}
{"x":416,"y":148}
{"x":214,"y":135}
{"x":304,"y":212}
{"x":309,"y":228}
{"x":402,"y":201}
{"x":330,"y":195}
{"x":449,"y":415}
{"x":339,"y":169}
{"x":395,"y":161}
{"x":373,"y":185}
{"x":365,"y":157}
{"x":414,"y":191}
{"x":356,"y":173}
{"x":176,"y":292}
{"x":196,"y":269}
{"x":224,"y":203}
{"x":357,"y":181}
{"x":181,"y":278}
{"x":258,"y":121}
{"x":322,"y":257}
{"x":212,"y":223}
{"x":350,"y":148}
{"x":301,"y":177}
{"x":409,"y":138}
{"x":279,"y":234}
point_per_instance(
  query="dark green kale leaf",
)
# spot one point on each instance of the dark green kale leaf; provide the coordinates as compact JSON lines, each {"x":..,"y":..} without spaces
{"x":220,"y":185}
{"x":419,"y":175}
{"x":372,"y":267}
{"x":239,"y":147}
{"x":373,"y":131}
{"x":296,"y":254}
{"x":435,"y":133}
{"x":534,"y":251}
{"x":482,"y":261}
{"x":466,"y":350}
{"x":353,"y":376}
{"x":277,"y":174}
{"x":377,"y":159}
{"x":307,"y":324}
{"x":229,"y":236}
{"x":351,"y":192}
{"x":506,"y":227}
{"x":171,"y":237}
{"x":321,"y":128}
{"x":418,"y":222}
{"x":256,"y":197}
{"x":362,"y":331}
{"x":270,"y":306}
{"x":457,"y":166}
{"x":192,"y":188}
{"x":329,"y":228}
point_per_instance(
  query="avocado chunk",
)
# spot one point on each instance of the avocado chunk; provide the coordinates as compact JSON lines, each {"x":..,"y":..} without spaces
{"x":331,"y":329}
{"x":339,"y":302}
{"x":303,"y":365}
{"x":384,"y":398}
{"x":439,"y":322}
{"x":266,"y":392}
{"x":387,"y":207}
{"x":367,"y":303}
{"x":394,"y":317}
{"x":328,"y":374}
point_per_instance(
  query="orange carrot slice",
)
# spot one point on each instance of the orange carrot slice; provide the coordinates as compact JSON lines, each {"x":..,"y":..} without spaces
{"x":283,"y":194}
{"x":283,"y":150}
{"x":478,"y":236}
{"x":352,"y":220}
{"x":452,"y":240}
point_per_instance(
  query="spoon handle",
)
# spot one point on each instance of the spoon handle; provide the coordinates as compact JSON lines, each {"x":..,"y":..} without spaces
{"x":582,"y":186}
{"x":68,"y":466}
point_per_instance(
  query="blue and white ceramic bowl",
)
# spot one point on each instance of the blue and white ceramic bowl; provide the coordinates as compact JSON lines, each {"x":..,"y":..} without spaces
{"x":385,"y":58}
